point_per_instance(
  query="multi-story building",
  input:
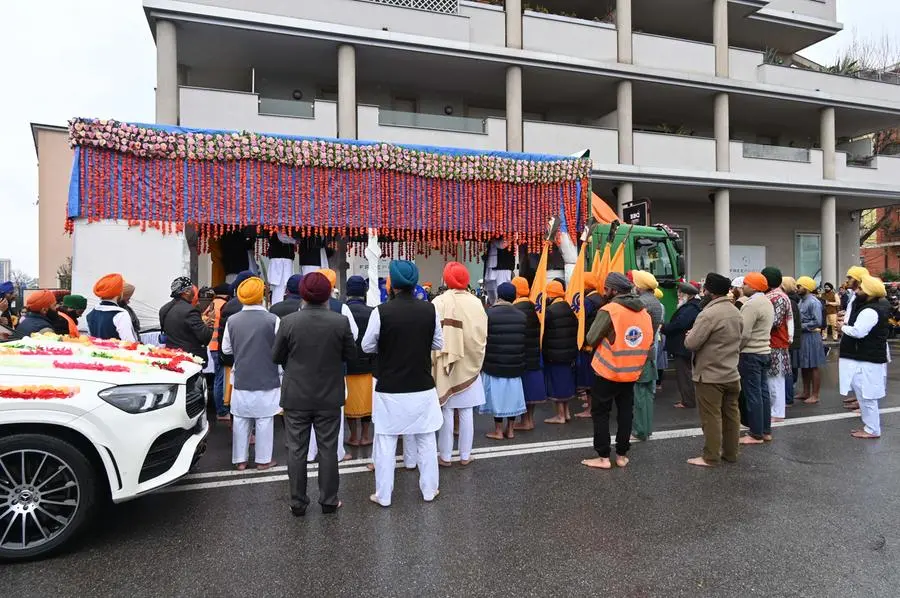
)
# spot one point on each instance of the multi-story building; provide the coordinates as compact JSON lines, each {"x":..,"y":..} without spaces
{"x":51,"y":144}
{"x":5,"y":269}
{"x":697,"y":105}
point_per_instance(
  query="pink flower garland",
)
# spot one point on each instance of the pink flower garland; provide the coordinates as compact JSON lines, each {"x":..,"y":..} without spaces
{"x":97,"y":367}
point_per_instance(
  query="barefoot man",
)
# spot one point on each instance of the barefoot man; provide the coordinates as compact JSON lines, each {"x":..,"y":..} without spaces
{"x":533,"y":379}
{"x":864,"y":353}
{"x":715,"y":340}
{"x":623,"y":335}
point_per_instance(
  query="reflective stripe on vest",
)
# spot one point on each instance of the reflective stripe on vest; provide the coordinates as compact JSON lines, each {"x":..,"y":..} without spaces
{"x":623,"y":360}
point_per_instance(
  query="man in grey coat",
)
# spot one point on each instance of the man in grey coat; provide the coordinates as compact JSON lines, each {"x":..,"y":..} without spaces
{"x":312,"y":346}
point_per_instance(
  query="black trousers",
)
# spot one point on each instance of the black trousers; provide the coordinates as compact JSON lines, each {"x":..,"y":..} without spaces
{"x":298,"y":425}
{"x":603,"y":394}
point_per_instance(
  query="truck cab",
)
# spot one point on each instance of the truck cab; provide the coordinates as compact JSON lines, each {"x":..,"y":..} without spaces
{"x":655,"y":249}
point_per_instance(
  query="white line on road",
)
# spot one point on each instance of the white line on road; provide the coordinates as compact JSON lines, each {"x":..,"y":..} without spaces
{"x":531,"y":448}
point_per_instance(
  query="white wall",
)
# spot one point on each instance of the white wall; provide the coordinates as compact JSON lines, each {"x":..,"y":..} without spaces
{"x":827,"y":83}
{"x":554,"y":138}
{"x":670,"y":53}
{"x":821,"y":9}
{"x":751,"y":225}
{"x":674,"y":151}
{"x":884,"y":170}
{"x":487,"y":23}
{"x":217,"y":109}
{"x":743,"y":64}
{"x":357,"y":14}
{"x":780,"y":170}
{"x":569,"y":37}
{"x":148,"y":260}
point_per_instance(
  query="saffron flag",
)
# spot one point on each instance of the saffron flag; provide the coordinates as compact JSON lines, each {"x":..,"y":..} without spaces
{"x":575,"y":293}
{"x":617,"y":261}
{"x":602,"y":267}
{"x":539,"y":286}
{"x":601,"y":211}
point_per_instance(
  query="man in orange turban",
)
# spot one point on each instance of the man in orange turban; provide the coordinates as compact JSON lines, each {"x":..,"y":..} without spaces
{"x":560,"y":351}
{"x":107,"y":320}
{"x":533,"y":378}
{"x":584,"y":371}
{"x":39,"y":313}
{"x":758,"y":316}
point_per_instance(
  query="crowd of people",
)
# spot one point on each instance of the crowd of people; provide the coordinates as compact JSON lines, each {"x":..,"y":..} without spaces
{"x":418,"y":369}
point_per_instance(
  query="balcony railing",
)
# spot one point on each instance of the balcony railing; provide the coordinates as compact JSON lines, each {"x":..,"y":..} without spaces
{"x":447,"y":7}
{"x":776,"y":152}
{"x":294,"y":108}
{"x":439,"y":122}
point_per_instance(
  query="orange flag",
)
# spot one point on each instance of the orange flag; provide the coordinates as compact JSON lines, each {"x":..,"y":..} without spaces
{"x":601,"y":211}
{"x":602,"y":267}
{"x":595,"y":263}
{"x":575,"y":293}
{"x":539,"y":286}
{"x":617,"y":262}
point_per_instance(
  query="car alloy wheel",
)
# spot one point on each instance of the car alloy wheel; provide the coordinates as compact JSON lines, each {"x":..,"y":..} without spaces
{"x":39,"y":497}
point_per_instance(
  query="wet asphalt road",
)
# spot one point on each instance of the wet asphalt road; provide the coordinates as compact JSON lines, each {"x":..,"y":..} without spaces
{"x":813,"y":514}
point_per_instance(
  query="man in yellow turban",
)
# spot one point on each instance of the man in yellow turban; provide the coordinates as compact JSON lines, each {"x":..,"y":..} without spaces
{"x":812,"y":349}
{"x":256,"y":384}
{"x":107,"y":320}
{"x":645,"y":387}
{"x":855,"y":276}
{"x":863,"y":360}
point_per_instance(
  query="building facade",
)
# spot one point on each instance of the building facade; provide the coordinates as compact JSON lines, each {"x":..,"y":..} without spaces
{"x":698,"y":106}
{"x":51,"y":144}
{"x":5,"y":269}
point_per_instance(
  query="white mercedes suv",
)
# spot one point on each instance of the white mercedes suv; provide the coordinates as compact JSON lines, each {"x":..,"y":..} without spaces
{"x":77,"y":429}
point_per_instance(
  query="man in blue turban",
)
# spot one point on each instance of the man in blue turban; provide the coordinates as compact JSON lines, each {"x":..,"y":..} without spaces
{"x":403,"y":332}
{"x":7,"y":296}
{"x":292,"y":300}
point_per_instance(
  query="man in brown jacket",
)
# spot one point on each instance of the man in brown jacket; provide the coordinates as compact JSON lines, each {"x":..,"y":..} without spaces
{"x":715,"y":340}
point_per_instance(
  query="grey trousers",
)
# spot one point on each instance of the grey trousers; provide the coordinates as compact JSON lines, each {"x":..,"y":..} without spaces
{"x":298,"y":426}
{"x":684,"y":379}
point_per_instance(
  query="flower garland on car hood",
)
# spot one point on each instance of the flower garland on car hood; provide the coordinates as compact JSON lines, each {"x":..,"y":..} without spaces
{"x":216,"y":181}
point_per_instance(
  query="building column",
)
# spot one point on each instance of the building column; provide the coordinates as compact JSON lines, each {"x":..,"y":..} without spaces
{"x":624,"y":196}
{"x":514,"y":134}
{"x":513,"y":23}
{"x":720,"y":37}
{"x":625,"y":123}
{"x":722,"y":235}
{"x":722,"y":128}
{"x":166,"y":73}
{"x":828,"y":141}
{"x":623,"y":31}
{"x":346,"y":108}
{"x":829,"y":239}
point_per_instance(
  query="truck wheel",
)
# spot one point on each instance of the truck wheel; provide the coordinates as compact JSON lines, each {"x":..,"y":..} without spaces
{"x":48,"y":490}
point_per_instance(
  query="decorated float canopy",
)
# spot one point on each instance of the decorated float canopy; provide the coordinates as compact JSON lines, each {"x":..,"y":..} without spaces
{"x":171,"y":177}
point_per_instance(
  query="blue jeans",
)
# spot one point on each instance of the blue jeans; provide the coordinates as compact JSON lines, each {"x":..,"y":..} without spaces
{"x":757,"y":405}
{"x":219,"y":385}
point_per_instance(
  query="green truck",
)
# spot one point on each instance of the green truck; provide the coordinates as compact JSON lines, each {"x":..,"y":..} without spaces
{"x":656,"y":249}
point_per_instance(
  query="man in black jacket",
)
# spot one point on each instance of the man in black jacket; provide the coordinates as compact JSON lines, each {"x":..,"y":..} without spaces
{"x":682,"y":321}
{"x":292,"y":301}
{"x":312,"y":345}
{"x":504,"y":362}
{"x":181,"y":322}
{"x":559,"y":349}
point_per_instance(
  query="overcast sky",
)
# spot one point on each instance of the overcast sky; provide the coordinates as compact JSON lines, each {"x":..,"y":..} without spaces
{"x":96,"y":58}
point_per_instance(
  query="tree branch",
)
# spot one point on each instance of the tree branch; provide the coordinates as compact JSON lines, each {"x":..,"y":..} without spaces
{"x":888,"y":212}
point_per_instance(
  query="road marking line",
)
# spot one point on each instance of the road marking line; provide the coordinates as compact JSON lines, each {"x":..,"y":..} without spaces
{"x":358,"y":465}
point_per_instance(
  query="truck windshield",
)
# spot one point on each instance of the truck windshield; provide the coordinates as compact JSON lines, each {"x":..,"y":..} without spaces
{"x":652,"y":255}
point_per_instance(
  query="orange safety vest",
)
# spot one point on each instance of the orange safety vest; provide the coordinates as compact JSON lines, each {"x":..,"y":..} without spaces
{"x":217,"y":304}
{"x":623,"y":360}
{"x":73,"y":327}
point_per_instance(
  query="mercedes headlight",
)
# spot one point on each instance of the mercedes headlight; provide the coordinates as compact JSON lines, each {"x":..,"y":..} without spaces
{"x":140,"y":398}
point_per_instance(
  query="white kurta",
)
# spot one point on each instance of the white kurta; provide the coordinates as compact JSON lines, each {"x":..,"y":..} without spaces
{"x":251,"y":403}
{"x":396,"y":414}
{"x":870,"y":378}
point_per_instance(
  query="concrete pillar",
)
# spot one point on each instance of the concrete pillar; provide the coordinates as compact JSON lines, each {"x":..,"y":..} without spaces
{"x":829,"y":239}
{"x":625,"y":122}
{"x":828,"y":141}
{"x":722,"y":235}
{"x":513,"y":23}
{"x":166,"y":73}
{"x":720,"y":36}
{"x":625,"y":196}
{"x":722,"y":128}
{"x":346,"y":108}
{"x":623,"y":30}
{"x":514,"y":141}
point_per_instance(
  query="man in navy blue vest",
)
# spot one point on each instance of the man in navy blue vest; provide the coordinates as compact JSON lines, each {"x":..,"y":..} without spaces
{"x":403,"y":332}
{"x":107,"y":320}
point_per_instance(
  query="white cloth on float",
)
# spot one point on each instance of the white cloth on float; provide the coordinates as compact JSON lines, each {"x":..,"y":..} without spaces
{"x":279,"y":271}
